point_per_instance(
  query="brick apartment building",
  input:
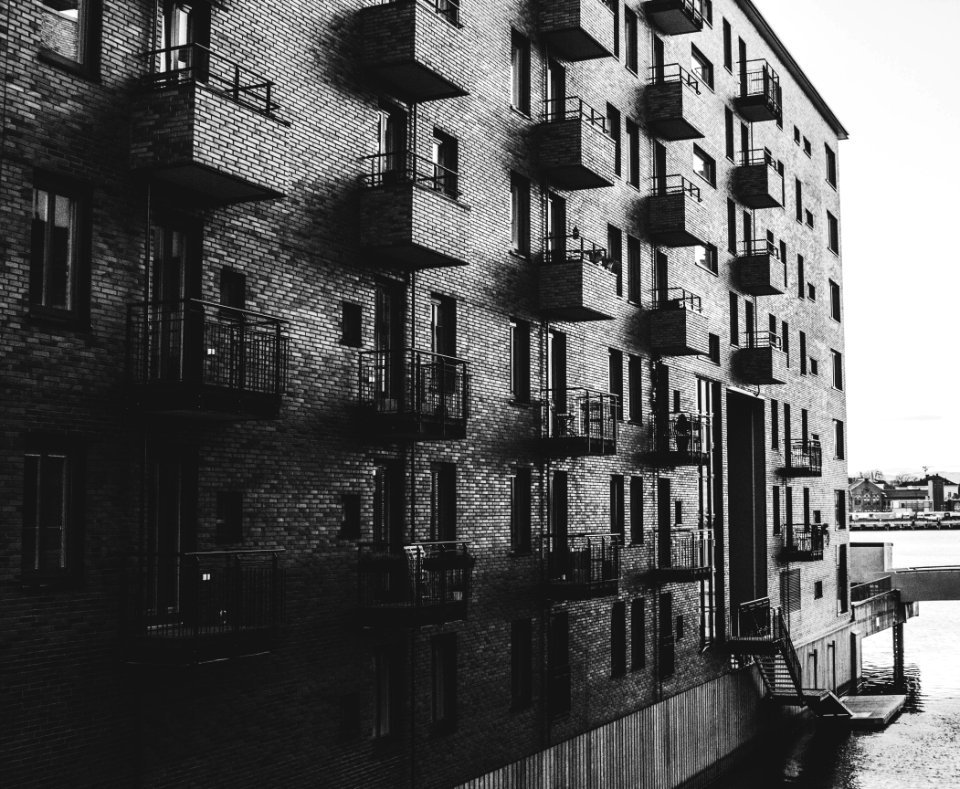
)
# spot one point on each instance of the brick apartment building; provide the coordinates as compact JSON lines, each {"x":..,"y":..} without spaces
{"x":412,"y":394}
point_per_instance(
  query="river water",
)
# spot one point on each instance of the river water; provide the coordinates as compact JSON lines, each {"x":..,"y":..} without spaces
{"x":921,"y":748}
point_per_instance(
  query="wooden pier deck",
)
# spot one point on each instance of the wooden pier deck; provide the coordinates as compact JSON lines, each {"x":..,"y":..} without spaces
{"x":873,"y":712}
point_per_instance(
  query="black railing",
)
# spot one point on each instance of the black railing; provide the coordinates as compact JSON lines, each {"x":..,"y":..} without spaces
{"x":674,"y":184}
{"x":415,"y":577}
{"x":673,"y":72}
{"x":194,"y":63}
{"x":762,"y":339}
{"x":757,"y":619}
{"x":676,"y":299}
{"x":572,"y":108}
{"x":683,"y":549}
{"x":805,"y":539}
{"x":194,"y":598}
{"x":583,"y":561}
{"x":805,"y":455}
{"x":757,"y":78}
{"x":406,"y":167}
{"x":207,"y":344}
{"x":682,"y":432}
{"x":757,"y":246}
{"x":581,"y":414}
{"x":575,"y":248}
{"x":429,"y":386}
{"x":759,"y":156}
{"x":861,"y":592}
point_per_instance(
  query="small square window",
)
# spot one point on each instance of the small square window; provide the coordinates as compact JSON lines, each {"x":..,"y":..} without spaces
{"x":704,"y":166}
{"x":351,"y":322}
{"x":700,"y":67}
{"x":706,"y":257}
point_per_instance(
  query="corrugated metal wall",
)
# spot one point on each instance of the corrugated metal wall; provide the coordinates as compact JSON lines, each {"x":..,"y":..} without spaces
{"x":658,"y":747}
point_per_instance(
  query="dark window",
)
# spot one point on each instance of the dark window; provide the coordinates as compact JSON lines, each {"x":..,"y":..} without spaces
{"x":776,"y":510}
{"x":617,"y":514}
{"x":614,"y":124}
{"x":834,"y":300}
{"x":558,"y":663}
{"x":843,"y":588}
{"x":837,"y":358}
{"x":679,"y":627}
{"x":59,"y":264}
{"x":443,"y":501}
{"x":731,"y":227}
{"x":774,"y":424}
{"x":618,"y":639}
{"x":636,"y":510}
{"x":798,"y":198}
{"x":520,"y":510}
{"x":229,"y":522}
{"x":638,"y":634}
{"x":734,"y":319}
{"x":707,"y":10}
{"x":790,"y":590}
{"x":786,"y":427}
{"x":445,"y":163}
{"x":817,"y":590}
{"x":834,"y":228}
{"x":351,"y":321}
{"x":803,"y":353}
{"x":520,"y":361}
{"x":233,"y":288}
{"x":443,"y":325}
{"x":811,"y":291}
{"x":704,"y":165}
{"x":351,"y":709}
{"x":831,"y":165}
{"x":635,"y":387}
{"x":633,"y":153}
{"x":808,"y":216}
{"x":801,"y":281}
{"x":714,"y":348}
{"x":807,"y":148}
{"x":727,"y":47}
{"x":615,"y":254}
{"x":728,"y":133}
{"x":521,"y":663}
{"x":630,"y":34}
{"x":615,"y":367}
{"x":444,"y":681}
{"x":678,"y":512}
{"x":387,"y":690}
{"x":785,"y":340}
{"x":840,"y":508}
{"x":520,"y":73}
{"x":70,"y":33}
{"x":700,"y":67}
{"x":350,"y":516}
{"x":519,"y":214}
{"x":838,"y":439}
{"x":814,"y":366}
{"x":633,"y":269}
{"x":796,"y":135}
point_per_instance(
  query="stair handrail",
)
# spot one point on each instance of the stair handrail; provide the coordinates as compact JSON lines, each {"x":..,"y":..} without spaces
{"x":788,"y":651}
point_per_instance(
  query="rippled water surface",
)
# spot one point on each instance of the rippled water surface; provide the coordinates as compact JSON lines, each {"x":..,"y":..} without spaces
{"x":921,"y":748}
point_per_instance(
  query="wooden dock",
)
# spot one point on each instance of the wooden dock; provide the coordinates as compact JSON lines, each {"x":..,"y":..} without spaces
{"x":873,"y":712}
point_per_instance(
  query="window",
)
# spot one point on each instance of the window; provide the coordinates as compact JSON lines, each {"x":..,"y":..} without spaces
{"x":633,"y":153}
{"x":840,"y":508}
{"x":811,"y":291}
{"x":834,"y":300}
{"x":706,"y":257}
{"x":349,"y":516}
{"x":807,"y":148}
{"x":728,"y":133}
{"x":521,"y":663}
{"x":638,"y":634}
{"x":229,"y":520}
{"x":59,"y":264}
{"x":774,"y":424}
{"x":351,"y":317}
{"x":814,"y":366}
{"x":618,"y":639}
{"x":558,"y":663}
{"x":52,"y":501}
{"x":843,"y":586}
{"x":817,"y":590}
{"x":633,"y":269}
{"x":837,"y":358}
{"x":520,"y":509}
{"x":233,"y":288}
{"x":727,"y":47}
{"x":613,"y":124}
{"x":839,"y":443}
{"x":731,"y":227}
{"x":809,"y":217}
{"x":734,"y":319}
{"x":615,"y":369}
{"x":70,"y":33}
{"x":790,"y":590}
{"x":803,"y":353}
{"x":617,"y":513}
{"x":636,"y":510}
{"x":713,"y":352}
{"x":519,"y":214}
{"x":786,"y":442}
{"x":785,"y":340}
{"x":700,"y":67}
{"x":798,"y":198}
{"x":801,"y":282}
{"x":445,"y":155}
{"x":444,"y":681}
{"x":833,"y":227}
{"x":386,"y":691}
{"x":777,"y":525}
{"x":831,"y":159}
{"x":520,"y":361}
{"x":520,"y":73}
{"x":704,"y":166}
{"x":443,"y":325}
{"x":635,"y":388}
{"x":615,"y":254}
{"x":443,"y":501}
{"x":796,"y":135}
{"x":783,"y":260}
{"x":707,"y":11}
{"x":630,"y":34}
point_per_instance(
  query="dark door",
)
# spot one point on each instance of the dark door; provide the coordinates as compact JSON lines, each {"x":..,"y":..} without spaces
{"x":558,"y":509}
{"x":658,"y":59}
{"x":388,"y":342}
{"x":556,"y":228}
{"x":661,"y":276}
{"x":664,"y":522}
{"x":173,"y":322}
{"x":660,"y":167}
{"x":557,"y":371}
{"x":388,"y":505}
{"x":556,"y":90}
{"x":185,"y":33}
{"x":392,"y":144}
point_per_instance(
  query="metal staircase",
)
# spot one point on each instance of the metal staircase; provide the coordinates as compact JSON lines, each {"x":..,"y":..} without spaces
{"x":763,"y":635}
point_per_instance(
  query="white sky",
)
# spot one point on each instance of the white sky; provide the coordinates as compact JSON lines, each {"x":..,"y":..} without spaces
{"x":887,"y":70}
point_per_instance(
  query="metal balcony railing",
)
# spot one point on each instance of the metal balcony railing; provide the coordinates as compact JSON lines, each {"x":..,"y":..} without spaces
{"x":581,"y":414}
{"x":861,"y":592}
{"x":805,"y":540}
{"x":426,"y":385}
{"x":573,"y":108}
{"x":805,"y":455}
{"x":762,"y":339}
{"x":757,"y":246}
{"x":588,"y":562}
{"x":681,"y":432}
{"x":759,"y":156}
{"x":429,"y":578}
{"x":194,"y":63}
{"x":758,"y":619}
{"x":757,"y":78}
{"x":405,"y":167}
{"x":682,"y":549}
{"x":676,"y":299}
{"x":673,"y":72}
{"x":574,"y":247}
{"x":206,"y":344}
{"x":674,"y":184}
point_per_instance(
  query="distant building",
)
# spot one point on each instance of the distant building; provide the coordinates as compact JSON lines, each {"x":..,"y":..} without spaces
{"x":868,"y":496}
{"x":931,"y":493}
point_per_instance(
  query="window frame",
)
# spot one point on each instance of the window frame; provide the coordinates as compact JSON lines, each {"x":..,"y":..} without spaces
{"x":519,"y":214}
{"x":711,"y":258}
{"x":833,"y":233}
{"x":443,"y":682}
{"x":519,"y":343}
{"x":836,"y":307}
{"x":701,"y":67}
{"x":521,"y":511}
{"x":631,"y":38}
{"x":520,"y":91}
{"x":837,"y":364}
{"x":89,"y":42}
{"x":709,"y":165}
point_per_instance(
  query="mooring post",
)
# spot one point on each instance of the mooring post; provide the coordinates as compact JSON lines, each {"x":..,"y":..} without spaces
{"x":898,"y":653}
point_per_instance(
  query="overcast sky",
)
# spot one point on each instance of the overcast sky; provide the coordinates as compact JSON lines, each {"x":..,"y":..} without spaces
{"x":887,"y":70}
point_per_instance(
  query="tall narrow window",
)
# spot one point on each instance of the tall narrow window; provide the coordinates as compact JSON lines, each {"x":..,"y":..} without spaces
{"x":633,"y":269}
{"x":558,"y":663}
{"x":519,"y":214}
{"x":615,"y":254}
{"x":843,"y":586}
{"x":443,"y":501}
{"x":728,"y":133}
{"x":386,"y":689}
{"x":834,"y":300}
{"x":615,"y":367}
{"x":786,"y":428}
{"x":734,"y":319}
{"x":840,"y":508}
{"x":617,"y":514}
{"x":521,"y":663}
{"x":636,"y":510}
{"x":520,"y":510}
{"x":839,"y":440}
{"x":632,"y":40}
{"x":831,"y":163}
{"x":837,"y":358}
{"x":520,"y":73}
{"x":704,"y":165}
{"x":614,"y":125}
{"x":351,"y":324}
{"x":633,"y":153}
{"x":801,"y":278}
{"x":798,"y":198}
{"x":833,"y":226}
{"x":443,"y":325}
{"x":774,"y":424}
{"x":229,"y":520}
{"x":731,"y":227}
{"x":638,"y":634}
{"x":635,"y":385}
{"x":445,"y":156}
{"x":618,"y":639}
{"x":51,"y":511}
{"x":727,"y":47}
{"x":785,"y":340}
{"x":444,"y":681}
{"x":520,"y":361}
{"x":701,"y":67}
{"x":803,"y":353}
{"x":776,"y":510}
{"x":790,"y":590}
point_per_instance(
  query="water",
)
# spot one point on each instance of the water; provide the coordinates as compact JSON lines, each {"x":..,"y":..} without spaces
{"x":921,"y":748}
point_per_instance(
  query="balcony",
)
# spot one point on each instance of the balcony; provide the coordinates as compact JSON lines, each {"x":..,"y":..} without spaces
{"x":762,"y":361}
{"x":681,"y":556}
{"x":804,"y":459}
{"x":577,"y":422}
{"x":575,"y":149}
{"x":411,"y":394}
{"x":678,"y":326}
{"x":803,"y":542}
{"x":423,"y":583}
{"x":760,"y":272}
{"x":676,"y":216}
{"x":577,"y":280}
{"x":757,"y":182}
{"x":414,"y":49}
{"x":675,"y":17}
{"x":205,"y":606}
{"x":760,"y":98}
{"x":582,"y":566}
{"x":578,"y":29}
{"x":410,"y":211}
{"x":204,"y":129}
{"x":675,"y":109}
{"x":197,"y":358}
{"x":678,"y":439}
{"x":758,"y":628}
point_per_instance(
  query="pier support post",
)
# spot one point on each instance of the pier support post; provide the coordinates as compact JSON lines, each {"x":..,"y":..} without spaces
{"x":898,"y":653}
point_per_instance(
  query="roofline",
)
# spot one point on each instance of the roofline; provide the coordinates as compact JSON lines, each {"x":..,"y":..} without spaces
{"x":793,"y":67}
